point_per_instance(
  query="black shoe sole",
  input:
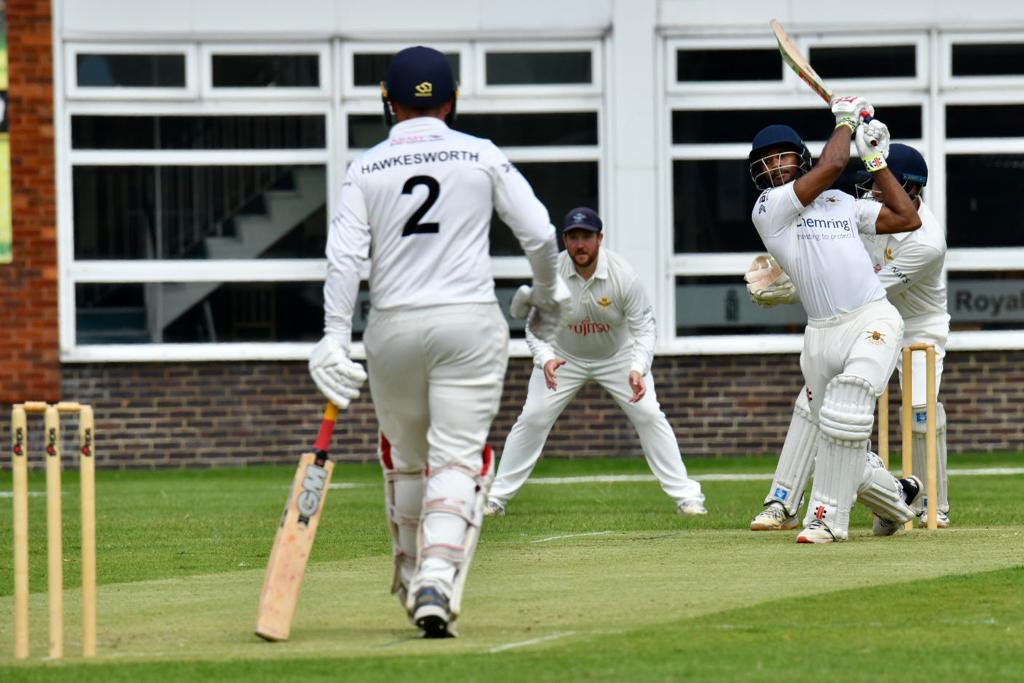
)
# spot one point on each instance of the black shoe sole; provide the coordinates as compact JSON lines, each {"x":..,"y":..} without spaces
{"x":434,"y":627}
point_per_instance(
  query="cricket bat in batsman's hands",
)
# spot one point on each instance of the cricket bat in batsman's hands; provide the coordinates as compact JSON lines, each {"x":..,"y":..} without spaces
{"x":295,"y":535}
{"x":798,"y":63}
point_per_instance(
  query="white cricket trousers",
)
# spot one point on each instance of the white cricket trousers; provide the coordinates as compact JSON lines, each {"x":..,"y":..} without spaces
{"x":543,"y":406}
{"x":436,"y":376}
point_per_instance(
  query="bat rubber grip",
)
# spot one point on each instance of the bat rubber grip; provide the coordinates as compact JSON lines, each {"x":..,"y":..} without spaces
{"x":323,"y":437}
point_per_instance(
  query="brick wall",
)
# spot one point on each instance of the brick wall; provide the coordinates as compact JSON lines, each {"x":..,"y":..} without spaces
{"x":29,"y":352}
{"x":206,"y":414}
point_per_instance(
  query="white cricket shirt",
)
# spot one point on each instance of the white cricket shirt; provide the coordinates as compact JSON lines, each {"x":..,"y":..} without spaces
{"x":419,"y":206}
{"x":818,"y":247}
{"x":909,"y":265}
{"x":607,"y":312}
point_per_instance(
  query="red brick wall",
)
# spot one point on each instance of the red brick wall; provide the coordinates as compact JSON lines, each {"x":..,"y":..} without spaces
{"x":205,"y":414}
{"x":29,"y":349}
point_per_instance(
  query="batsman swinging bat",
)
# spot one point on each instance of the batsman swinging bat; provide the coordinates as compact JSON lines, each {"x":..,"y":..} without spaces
{"x":798,"y":63}
{"x":295,"y":535}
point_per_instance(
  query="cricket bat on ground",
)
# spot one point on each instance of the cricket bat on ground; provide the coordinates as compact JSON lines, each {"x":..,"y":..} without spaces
{"x":295,"y":535}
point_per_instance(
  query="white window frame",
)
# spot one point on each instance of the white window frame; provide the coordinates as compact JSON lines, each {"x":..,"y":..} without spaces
{"x":594,"y":47}
{"x":869,"y":85}
{"x":676,"y":87}
{"x":322,"y":51}
{"x":74,"y":91}
{"x":964,"y":83}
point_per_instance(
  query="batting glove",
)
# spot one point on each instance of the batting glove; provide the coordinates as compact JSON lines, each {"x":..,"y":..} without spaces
{"x":768,"y":284}
{"x":872,"y":142}
{"x":335,"y":374}
{"x":849,"y":110}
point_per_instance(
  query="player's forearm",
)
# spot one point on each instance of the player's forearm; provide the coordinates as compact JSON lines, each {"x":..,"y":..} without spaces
{"x":341,"y":289}
{"x":827,"y":169}
{"x":544,"y":263}
{"x":541,"y":351}
{"x":904,"y":217}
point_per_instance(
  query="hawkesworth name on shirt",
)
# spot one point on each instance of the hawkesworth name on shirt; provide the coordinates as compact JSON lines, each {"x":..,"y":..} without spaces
{"x":420,"y":158}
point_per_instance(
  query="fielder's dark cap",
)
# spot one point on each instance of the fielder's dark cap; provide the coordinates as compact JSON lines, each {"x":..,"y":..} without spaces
{"x":582,"y":218}
{"x":419,"y":77}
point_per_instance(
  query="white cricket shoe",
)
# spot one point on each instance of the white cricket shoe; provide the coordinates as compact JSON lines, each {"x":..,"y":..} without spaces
{"x":691,"y":508}
{"x":773,"y":518}
{"x":430,"y":613}
{"x":816,"y":532}
{"x":493,"y":508}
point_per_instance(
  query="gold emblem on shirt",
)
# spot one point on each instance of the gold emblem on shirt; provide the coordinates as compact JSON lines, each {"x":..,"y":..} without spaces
{"x":876,"y":337}
{"x":604,"y":302}
{"x":888,"y":254}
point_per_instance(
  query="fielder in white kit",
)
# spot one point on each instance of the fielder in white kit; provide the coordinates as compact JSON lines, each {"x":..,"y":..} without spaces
{"x":909,"y":265}
{"x":418,"y":207}
{"x":853,"y":334}
{"x":609,"y":339}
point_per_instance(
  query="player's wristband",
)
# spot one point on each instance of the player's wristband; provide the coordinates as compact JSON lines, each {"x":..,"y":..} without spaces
{"x":874,"y":162}
{"x":849,"y":122}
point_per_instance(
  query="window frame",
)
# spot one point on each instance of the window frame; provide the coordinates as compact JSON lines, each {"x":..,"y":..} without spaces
{"x":968,"y":83}
{"x":676,"y":87}
{"x":208,"y":51}
{"x":74,"y":91}
{"x":553,"y":90}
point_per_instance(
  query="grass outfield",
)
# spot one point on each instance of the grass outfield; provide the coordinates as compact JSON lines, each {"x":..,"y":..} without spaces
{"x":596,"y":581}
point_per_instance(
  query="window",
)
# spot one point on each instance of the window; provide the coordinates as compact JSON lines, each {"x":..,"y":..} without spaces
{"x":130,"y":71}
{"x":276,"y":71}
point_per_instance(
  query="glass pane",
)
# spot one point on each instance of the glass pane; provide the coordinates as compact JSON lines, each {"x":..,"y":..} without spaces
{"x":560,"y":186}
{"x":192,"y":312}
{"x":712,"y":201}
{"x":989,"y":59}
{"x":130,"y":71}
{"x":728,"y":65}
{"x":538,"y":68}
{"x":198,"y":132}
{"x":986,"y":301}
{"x":266,"y":71}
{"x":731,"y":125}
{"x":183,"y":212}
{"x":505,"y":130}
{"x":876,"y":61}
{"x":369,"y":69}
{"x":983,"y":208}
{"x":985,"y":121}
{"x":721,"y":305}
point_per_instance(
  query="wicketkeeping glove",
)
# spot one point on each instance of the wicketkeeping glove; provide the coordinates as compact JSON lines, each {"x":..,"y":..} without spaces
{"x":850,"y":110}
{"x":872,"y":140}
{"x":336,"y":375}
{"x":544,"y":315}
{"x":768,"y":284}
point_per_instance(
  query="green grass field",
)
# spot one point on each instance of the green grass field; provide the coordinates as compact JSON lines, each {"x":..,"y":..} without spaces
{"x":580,"y":582}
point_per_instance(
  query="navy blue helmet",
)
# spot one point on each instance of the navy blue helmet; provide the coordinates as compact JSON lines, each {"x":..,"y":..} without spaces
{"x":418,"y":77}
{"x":775,"y":135}
{"x":907,"y":164}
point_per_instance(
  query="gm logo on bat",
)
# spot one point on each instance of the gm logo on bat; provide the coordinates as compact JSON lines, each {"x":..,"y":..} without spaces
{"x":312,"y":490}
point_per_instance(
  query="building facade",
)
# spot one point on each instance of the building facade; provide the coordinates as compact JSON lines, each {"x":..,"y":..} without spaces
{"x":174,"y":169}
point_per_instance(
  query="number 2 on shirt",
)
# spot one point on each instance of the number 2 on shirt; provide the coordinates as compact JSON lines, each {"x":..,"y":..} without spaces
{"x":413,"y":225}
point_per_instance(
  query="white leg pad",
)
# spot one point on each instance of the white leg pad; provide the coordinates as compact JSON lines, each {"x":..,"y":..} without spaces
{"x":845,"y":420}
{"x":881,"y":492}
{"x":453,"y":513}
{"x":796,"y":461}
{"x":403,"y":493}
{"x":920,"y":464}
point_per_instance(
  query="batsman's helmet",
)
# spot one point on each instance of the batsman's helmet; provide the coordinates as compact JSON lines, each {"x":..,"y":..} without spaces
{"x":418,"y":77}
{"x":775,"y":135}
{"x":907,"y":164}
